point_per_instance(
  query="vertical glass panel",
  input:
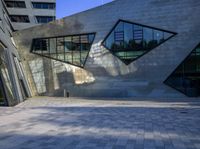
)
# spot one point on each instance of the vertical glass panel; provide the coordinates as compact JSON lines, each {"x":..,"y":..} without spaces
{"x":37,"y":70}
{"x":148,"y":38}
{"x":84,"y":47}
{"x":68,"y":49}
{"x":45,"y":47}
{"x":137,"y":33}
{"x":60,"y":49}
{"x":128,"y":35}
{"x":158,"y":36}
{"x":110,"y":41}
{"x":119,"y":37}
{"x":76,"y":50}
{"x":53,"y":48}
{"x":138,"y":38}
{"x":198,"y":59}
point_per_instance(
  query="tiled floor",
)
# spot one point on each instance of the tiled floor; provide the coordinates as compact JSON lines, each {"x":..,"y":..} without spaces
{"x":47,"y":123}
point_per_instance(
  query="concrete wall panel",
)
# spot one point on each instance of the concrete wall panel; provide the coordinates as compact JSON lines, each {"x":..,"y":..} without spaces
{"x":110,"y":77}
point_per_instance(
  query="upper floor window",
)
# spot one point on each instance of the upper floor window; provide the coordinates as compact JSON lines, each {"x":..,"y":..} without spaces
{"x":15,"y":4}
{"x":19,"y":18}
{"x":44,"y":19}
{"x":43,"y":5}
{"x":128,"y":41}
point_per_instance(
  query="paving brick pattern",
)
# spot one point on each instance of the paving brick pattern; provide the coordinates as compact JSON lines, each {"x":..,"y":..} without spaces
{"x":46,"y":123}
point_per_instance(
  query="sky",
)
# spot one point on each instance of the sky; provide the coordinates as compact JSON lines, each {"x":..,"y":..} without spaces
{"x":68,"y":7}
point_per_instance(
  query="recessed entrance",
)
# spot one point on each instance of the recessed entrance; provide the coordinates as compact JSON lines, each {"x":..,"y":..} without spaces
{"x":2,"y":97}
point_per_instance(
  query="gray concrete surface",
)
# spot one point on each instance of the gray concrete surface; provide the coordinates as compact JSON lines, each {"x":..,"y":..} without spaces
{"x":105,"y":75}
{"x":49,"y":123}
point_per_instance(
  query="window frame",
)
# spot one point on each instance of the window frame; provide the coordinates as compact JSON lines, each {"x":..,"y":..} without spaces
{"x":15,"y":2}
{"x":34,"y":2}
{"x":141,"y":25}
{"x":19,"y":16}
{"x":64,"y":36}
{"x":176,"y":68}
{"x":46,"y":17}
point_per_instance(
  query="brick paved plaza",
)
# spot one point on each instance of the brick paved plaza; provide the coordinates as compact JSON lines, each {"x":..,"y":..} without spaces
{"x":47,"y":123}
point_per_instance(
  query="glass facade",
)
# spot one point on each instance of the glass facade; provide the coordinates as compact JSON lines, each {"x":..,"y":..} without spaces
{"x":128,"y":41}
{"x":15,"y":4}
{"x":19,"y":18}
{"x":43,"y":5}
{"x":70,"y":49}
{"x":186,"y":78}
{"x":44,"y":19}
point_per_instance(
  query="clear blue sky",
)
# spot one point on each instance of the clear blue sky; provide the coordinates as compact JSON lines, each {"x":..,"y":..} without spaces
{"x":69,"y":7}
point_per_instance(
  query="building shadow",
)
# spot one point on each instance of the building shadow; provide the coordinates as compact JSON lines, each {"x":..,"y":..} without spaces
{"x":90,"y":126}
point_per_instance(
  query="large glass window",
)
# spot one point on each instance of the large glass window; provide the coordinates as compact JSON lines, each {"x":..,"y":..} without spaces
{"x":71,"y":49}
{"x":43,"y":5}
{"x":186,"y":78}
{"x":19,"y":18}
{"x":15,"y":4}
{"x":128,"y":41}
{"x":44,"y":19}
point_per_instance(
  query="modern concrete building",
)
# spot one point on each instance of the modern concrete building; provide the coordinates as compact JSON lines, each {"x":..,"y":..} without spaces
{"x":14,"y":87}
{"x":126,"y":48}
{"x":17,"y":15}
{"x":28,"y":13}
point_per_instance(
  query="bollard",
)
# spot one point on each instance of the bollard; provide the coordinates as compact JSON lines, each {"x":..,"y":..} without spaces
{"x":66,"y":93}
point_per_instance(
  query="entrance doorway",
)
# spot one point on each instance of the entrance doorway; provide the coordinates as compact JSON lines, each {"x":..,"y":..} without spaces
{"x":3,"y":101}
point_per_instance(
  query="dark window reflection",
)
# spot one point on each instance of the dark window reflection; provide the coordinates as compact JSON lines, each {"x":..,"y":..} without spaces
{"x":19,"y":18}
{"x":45,"y":19}
{"x":186,"y":78}
{"x":70,"y":49}
{"x":43,"y":5}
{"x":15,"y":4}
{"x":128,"y":41}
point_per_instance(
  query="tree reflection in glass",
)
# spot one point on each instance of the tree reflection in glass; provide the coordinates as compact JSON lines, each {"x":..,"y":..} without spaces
{"x":128,"y":41}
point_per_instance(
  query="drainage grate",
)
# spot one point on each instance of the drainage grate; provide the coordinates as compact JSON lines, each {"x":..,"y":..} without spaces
{"x":184,"y":112}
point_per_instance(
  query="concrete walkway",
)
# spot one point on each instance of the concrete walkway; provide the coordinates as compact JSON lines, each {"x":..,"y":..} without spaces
{"x":49,"y":123}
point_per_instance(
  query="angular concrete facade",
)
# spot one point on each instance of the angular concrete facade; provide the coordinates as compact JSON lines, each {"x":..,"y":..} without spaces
{"x":104,"y":75}
{"x":13,"y":84}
